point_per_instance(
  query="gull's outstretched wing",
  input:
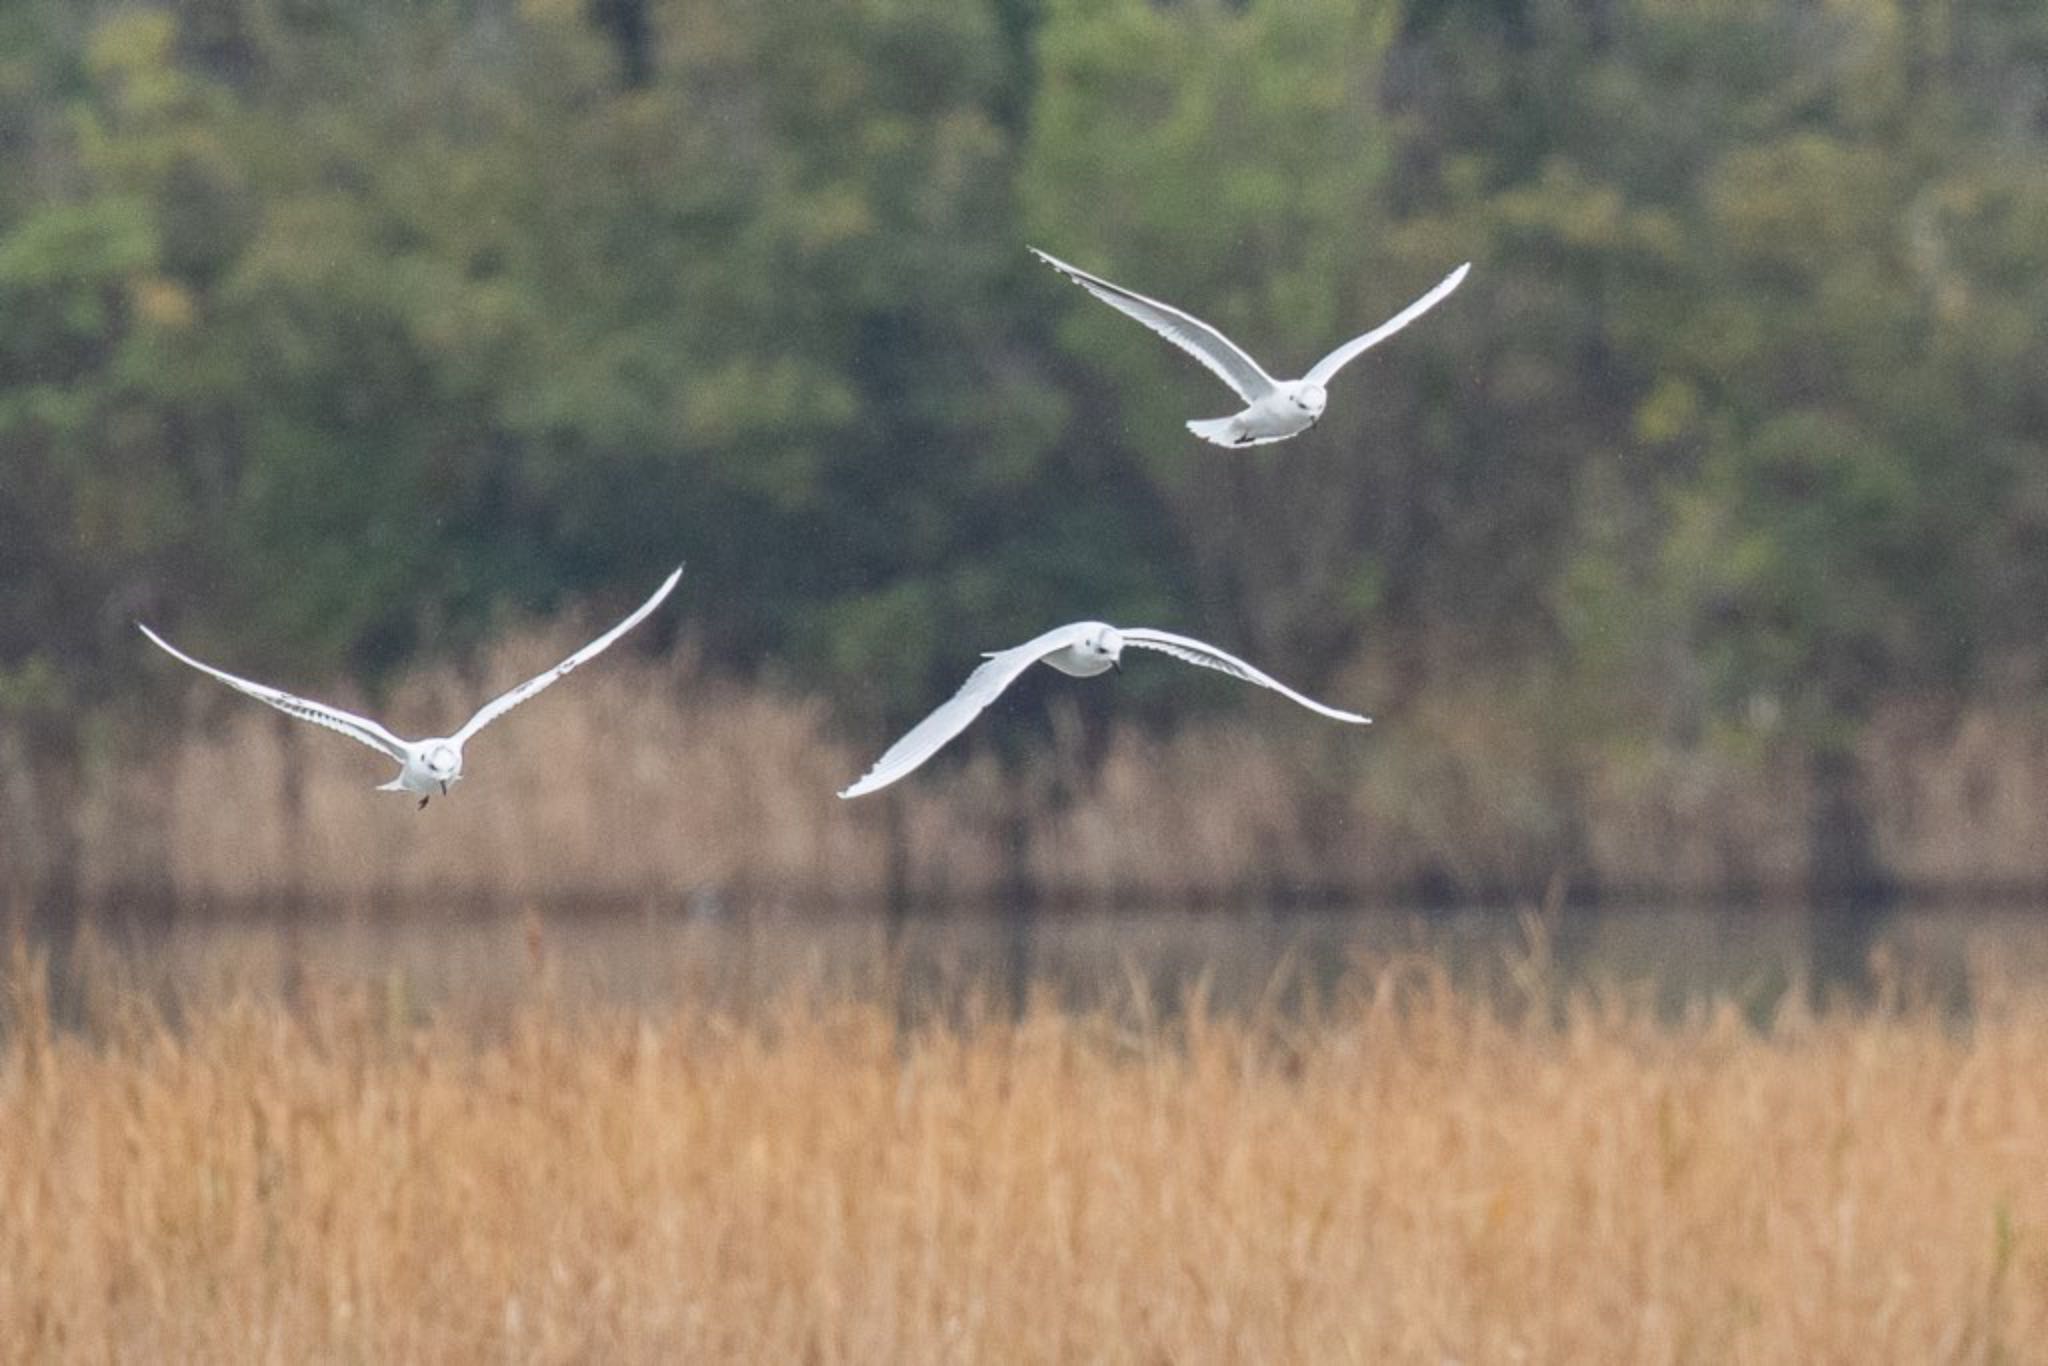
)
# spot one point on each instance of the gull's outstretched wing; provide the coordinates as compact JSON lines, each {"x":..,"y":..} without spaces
{"x":1222,"y":355}
{"x":1329,"y":365}
{"x":506,"y":701}
{"x":982,"y":687}
{"x":360,"y":728}
{"x":1209,"y":657}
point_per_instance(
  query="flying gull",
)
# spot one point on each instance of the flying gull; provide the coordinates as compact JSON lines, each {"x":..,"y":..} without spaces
{"x":1276,"y":408}
{"x":425,"y":766}
{"x":1083,"y":649}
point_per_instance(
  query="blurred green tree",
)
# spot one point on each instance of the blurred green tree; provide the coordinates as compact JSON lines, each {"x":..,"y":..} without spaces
{"x":1231,"y":159}
{"x":347,"y":329}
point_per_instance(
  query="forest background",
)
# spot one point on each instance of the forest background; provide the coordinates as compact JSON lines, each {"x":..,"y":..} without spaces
{"x":1697,"y":546}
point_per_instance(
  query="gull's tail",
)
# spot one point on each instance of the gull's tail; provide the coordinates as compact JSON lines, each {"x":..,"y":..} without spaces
{"x":1229,"y":431}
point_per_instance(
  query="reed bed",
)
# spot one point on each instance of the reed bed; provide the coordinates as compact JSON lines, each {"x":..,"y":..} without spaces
{"x":1404,"y":1173}
{"x":654,"y":780}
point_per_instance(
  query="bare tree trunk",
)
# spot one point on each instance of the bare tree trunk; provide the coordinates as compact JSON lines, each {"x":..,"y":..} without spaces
{"x":902,"y":977}
{"x":1848,"y":888}
{"x":291,"y":908}
{"x":895,"y":868}
{"x":1019,"y":900}
{"x":20,"y":846}
{"x":625,"y":22}
{"x":55,"y":902}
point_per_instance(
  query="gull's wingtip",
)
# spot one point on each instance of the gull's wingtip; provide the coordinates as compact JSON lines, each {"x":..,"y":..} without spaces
{"x":871,"y":781}
{"x":668,"y":586}
{"x":1457,"y":277}
{"x":1055,"y":262}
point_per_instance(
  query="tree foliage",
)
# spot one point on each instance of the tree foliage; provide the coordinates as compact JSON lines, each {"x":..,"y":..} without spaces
{"x":345,"y":330}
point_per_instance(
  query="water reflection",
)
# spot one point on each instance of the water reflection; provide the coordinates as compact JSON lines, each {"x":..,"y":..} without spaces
{"x":1240,"y":960}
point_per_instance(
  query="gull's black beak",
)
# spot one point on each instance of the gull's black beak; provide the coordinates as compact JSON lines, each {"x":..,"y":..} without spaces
{"x":444,"y":789}
{"x":1117,"y":664}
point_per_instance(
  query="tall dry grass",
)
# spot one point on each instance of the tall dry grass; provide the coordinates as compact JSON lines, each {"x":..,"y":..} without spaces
{"x":1408,"y":1175}
{"x":655,"y":780}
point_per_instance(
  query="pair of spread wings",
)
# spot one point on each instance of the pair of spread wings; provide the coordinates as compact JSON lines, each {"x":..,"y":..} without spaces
{"x":1229,"y":361}
{"x":363,"y":729}
{"x":1002,"y":667}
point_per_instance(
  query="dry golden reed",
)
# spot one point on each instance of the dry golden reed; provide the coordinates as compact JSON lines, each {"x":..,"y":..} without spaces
{"x":1405,"y":1175}
{"x":653,"y":781}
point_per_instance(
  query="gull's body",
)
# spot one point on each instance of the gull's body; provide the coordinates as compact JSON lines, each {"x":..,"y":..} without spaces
{"x":1275,"y":409}
{"x":432,"y":766}
{"x":1083,"y":650}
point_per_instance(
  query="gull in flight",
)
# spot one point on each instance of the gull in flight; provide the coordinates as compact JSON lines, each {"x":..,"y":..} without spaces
{"x":1276,"y":408}
{"x":1083,"y":649}
{"x":425,"y":766}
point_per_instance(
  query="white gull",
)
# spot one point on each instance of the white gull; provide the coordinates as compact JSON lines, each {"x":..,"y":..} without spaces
{"x":1082,"y":649}
{"x":1275,"y":408}
{"x":425,"y":766}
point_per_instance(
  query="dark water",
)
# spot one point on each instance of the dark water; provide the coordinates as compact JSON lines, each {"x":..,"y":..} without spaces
{"x":1154,"y":961}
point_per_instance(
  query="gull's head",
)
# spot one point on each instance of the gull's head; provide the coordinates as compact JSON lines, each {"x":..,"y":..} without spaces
{"x":444,"y":762}
{"x":1311,"y":398}
{"x":1102,"y":641}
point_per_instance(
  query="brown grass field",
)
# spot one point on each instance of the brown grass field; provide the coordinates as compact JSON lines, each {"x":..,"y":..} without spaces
{"x":1404,"y":1172}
